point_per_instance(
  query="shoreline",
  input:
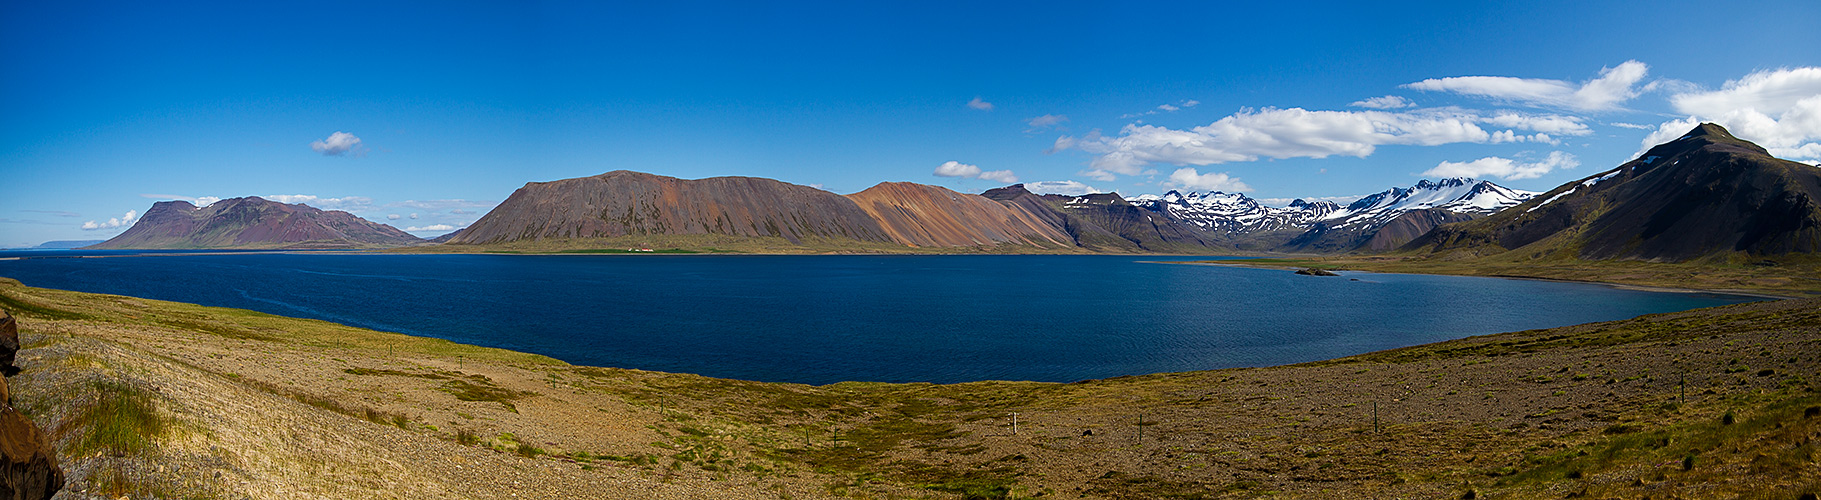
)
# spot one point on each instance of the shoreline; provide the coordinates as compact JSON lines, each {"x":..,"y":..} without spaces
{"x":1609,"y":284}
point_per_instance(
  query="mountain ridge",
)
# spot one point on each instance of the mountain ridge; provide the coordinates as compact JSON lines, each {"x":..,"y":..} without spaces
{"x":1705,"y":195}
{"x":253,"y":222}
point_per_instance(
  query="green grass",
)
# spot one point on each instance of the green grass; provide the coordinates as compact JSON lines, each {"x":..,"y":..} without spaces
{"x":484,"y":390}
{"x":121,"y":422}
{"x":20,"y":307}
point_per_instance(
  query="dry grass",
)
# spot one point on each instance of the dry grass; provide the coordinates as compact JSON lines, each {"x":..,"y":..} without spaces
{"x":1624,"y":409}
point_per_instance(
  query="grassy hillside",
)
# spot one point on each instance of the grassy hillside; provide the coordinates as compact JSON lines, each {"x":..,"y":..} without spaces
{"x":160,"y":399}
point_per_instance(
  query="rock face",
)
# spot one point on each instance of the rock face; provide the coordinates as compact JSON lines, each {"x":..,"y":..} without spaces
{"x":1376,"y":236}
{"x":1706,"y":194}
{"x":254,"y":222}
{"x":1106,"y":221}
{"x":9,"y":344}
{"x":622,"y":203}
{"x":1235,"y":215}
{"x":922,"y":215}
{"x":28,"y":461}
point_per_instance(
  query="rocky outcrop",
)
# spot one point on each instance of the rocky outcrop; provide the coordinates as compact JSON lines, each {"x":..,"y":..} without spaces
{"x":923,"y":215}
{"x":1310,"y":271}
{"x":28,"y":461}
{"x":9,"y":344}
{"x":254,"y":222}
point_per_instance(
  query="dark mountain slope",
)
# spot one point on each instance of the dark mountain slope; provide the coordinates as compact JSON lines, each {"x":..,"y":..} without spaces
{"x":254,"y":222}
{"x":1706,"y":195}
{"x":1327,"y":237}
{"x":1107,"y":222}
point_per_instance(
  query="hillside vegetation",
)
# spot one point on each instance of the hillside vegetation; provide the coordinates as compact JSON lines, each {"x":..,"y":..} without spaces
{"x":160,"y":399}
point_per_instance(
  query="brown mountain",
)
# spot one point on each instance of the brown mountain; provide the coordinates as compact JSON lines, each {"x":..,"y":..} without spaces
{"x":254,"y":222}
{"x":1706,"y":195}
{"x":1106,"y":221}
{"x":622,"y":203}
{"x":921,"y":215}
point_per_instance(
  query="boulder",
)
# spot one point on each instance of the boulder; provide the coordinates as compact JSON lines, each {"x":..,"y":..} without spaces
{"x":28,"y":462}
{"x":1315,"y":272}
{"x":9,"y":343}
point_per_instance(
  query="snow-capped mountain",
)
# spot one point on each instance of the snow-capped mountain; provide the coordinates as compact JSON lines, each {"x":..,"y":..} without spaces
{"x":1233,"y":213}
{"x":1458,"y":194}
{"x":1327,"y":227}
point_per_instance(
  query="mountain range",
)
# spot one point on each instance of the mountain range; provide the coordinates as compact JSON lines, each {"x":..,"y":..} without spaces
{"x":1706,"y":192}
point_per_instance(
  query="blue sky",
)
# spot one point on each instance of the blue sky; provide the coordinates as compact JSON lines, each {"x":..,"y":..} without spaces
{"x":109,"y":107}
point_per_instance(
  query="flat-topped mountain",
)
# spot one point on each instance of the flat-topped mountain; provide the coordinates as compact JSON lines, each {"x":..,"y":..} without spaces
{"x":922,"y":215}
{"x":1704,"y":195}
{"x":254,"y":222}
{"x":623,"y":203}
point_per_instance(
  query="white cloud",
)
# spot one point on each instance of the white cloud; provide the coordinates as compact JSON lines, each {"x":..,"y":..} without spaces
{"x":113,"y":223}
{"x":394,"y":216}
{"x":412,"y":216}
{"x":1386,"y":102}
{"x":1505,"y":168}
{"x":1631,"y":125}
{"x":1771,"y":91}
{"x":1046,"y":121}
{"x":956,"y":169}
{"x":1778,"y":109}
{"x":1165,"y":108}
{"x":1070,"y":188}
{"x":1299,"y":133}
{"x":432,"y":227}
{"x":346,"y":203}
{"x":338,"y":144}
{"x":1187,"y":177}
{"x":200,"y":201}
{"x":1552,"y":124}
{"x":1614,"y":86}
{"x":979,"y":104}
{"x":462,"y":212}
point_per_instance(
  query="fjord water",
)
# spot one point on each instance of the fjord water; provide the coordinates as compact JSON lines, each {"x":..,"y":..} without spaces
{"x":824,"y":319}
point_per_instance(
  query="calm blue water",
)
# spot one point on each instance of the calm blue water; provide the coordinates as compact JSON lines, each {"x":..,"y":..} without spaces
{"x":823,"y":319}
